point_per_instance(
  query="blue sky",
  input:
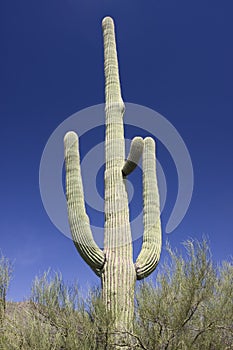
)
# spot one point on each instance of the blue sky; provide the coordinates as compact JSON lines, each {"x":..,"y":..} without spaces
{"x":175,"y":57}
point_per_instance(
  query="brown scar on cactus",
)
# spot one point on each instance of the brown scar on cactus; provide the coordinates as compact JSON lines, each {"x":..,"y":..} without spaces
{"x":114,"y":264}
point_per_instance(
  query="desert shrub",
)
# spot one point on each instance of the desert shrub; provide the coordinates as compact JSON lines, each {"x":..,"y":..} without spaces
{"x":6,"y":269}
{"x":189,"y":306}
{"x":57,"y":317}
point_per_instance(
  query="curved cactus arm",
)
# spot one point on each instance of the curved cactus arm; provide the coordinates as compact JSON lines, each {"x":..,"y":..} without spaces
{"x":151,"y":247}
{"x":134,"y":156}
{"x":78,"y":219}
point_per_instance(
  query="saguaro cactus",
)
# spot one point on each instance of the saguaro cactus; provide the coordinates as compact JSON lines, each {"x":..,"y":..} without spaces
{"x":114,"y":264}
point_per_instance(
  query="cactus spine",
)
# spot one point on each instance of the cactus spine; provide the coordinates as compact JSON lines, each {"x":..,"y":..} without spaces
{"x":115,"y":264}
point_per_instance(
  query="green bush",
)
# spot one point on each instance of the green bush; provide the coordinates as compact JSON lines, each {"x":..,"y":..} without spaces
{"x":190,"y":306}
{"x":5,"y":277}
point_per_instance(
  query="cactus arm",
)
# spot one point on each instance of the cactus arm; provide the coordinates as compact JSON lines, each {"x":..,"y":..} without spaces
{"x":151,"y":246}
{"x":134,"y":156}
{"x":78,"y":219}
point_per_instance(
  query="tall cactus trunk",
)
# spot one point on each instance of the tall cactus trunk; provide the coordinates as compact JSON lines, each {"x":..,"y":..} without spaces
{"x":118,"y":276}
{"x":114,"y":265}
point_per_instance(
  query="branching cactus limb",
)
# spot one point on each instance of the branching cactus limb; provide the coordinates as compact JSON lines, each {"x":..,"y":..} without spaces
{"x":151,"y":247}
{"x":78,"y":219}
{"x":134,"y":156}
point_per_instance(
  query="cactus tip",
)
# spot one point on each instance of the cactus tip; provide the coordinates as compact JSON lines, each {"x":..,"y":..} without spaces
{"x":149,"y":139}
{"x":70,"y":137}
{"x":138,"y":140}
{"x":149,"y":144}
{"x":107,"y":21}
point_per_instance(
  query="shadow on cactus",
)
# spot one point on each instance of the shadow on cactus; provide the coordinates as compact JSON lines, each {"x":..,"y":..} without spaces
{"x":114,"y":264}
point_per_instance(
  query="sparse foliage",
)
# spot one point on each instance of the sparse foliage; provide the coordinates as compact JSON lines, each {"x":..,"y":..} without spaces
{"x":5,"y":277}
{"x":189,"y":307}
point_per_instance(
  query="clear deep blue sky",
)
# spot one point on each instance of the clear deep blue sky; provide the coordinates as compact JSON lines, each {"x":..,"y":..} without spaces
{"x":175,"y":57}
